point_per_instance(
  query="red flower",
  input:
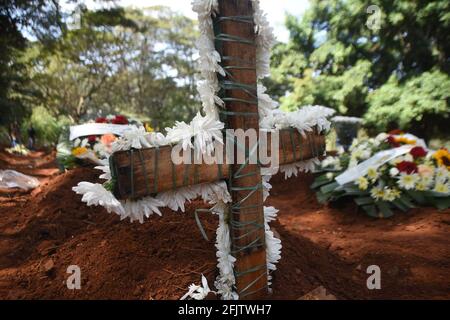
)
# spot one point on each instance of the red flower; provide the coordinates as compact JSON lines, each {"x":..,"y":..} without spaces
{"x":407,"y":166}
{"x":92,"y":139}
{"x":418,"y":152}
{"x":120,"y":120}
{"x":395,"y":132}
{"x":101,"y":120}
{"x":391,"y":140}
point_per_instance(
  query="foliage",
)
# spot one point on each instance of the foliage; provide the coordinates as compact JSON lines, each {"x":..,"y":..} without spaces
{"x":334,"y":59}
{"x":48,"y":128}
{"x":116,"y":60}
{"x":413,"y":104}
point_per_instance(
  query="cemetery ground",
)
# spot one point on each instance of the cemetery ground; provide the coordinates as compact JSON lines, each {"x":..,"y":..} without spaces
{"x":45,"y":231}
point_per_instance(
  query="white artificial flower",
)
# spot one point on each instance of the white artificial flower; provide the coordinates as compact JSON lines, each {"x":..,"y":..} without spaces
{"x":101,"y":150}
{"x":203,"y":130}
{"x":208,"y":96}
{"x":225,"y":281}
{"x":198,"y":292}
{"x":175,"y":199}
{"x":97,"y":195}
{"x":136,"y":210}
{"x":265,"y":103}
{"x":157,"y":139}
{"x":393,"y":172}
{"x":134,"y":137}
{"x":408,"y":181}
{"x":106,"y":175}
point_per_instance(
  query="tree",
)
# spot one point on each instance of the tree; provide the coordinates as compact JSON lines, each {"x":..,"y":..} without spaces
{"x":129,"y":61}
{"x":334,"y":59}
{"x":39,"y":19}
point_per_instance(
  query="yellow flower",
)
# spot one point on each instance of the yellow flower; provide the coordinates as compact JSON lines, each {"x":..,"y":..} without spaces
{"x":148,"y":128}
{"x":442,"y":157}
{"x":362,"y":183}
{"x":404,"y":140}
{"x":79,"y":151}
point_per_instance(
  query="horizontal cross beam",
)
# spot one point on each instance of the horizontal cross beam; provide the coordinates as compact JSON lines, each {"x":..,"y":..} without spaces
{"x":141,"y":173}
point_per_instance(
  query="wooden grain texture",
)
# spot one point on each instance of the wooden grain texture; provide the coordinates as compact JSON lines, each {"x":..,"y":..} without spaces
{"x":250,"y":285}
{"x":164,"y":176}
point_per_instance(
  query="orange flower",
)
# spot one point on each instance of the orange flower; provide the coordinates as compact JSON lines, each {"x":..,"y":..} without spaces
{"x":108,"y":139}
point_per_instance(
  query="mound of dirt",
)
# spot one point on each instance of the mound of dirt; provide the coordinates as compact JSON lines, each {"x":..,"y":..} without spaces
{"x":48,"y":230}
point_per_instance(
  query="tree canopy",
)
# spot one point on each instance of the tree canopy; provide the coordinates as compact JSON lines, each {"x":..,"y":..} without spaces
{"x":394,"y":77}
{"x":116,"y":60}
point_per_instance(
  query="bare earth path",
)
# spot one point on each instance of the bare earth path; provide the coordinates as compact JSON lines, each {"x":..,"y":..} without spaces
{"x":45,"y":231}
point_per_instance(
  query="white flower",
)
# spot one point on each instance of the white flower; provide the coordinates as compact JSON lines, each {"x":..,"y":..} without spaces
{"x":198,"y":292}
{"x":209,"y":98}
{"x":203,"y":130}
{"x":157,"y":139}
{"x":175,"y":199}
{"x":97,"y":195}
{"x":362,"y":183}
{"x":441,"y":187}
{"x":134,"y":137}
{"x":330,"y":175}
{"x":373,"y":174}
{"x":390,"y":194}
{"x":408,"y":181}
{"x":393,"y":172}
{"x":265,"y":103}
{"x":106,"y":172}
{"x":137,"y":210}
{"x":381,"y":137}
{"x":377,"y":193}
{"x":442,"y":174}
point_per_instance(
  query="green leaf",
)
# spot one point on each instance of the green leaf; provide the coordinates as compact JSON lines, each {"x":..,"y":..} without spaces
{"x":417,"y":196}
{"x":406,"y":201}
{"x":400,"y":205}
{"x":371,"y":210}
{"x":385,"y":209}
{"x":320,"y":181}
{"x":329,"y":187}
{"x":361,"y":201}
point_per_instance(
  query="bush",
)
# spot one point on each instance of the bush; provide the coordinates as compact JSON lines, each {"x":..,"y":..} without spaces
{"x":420,"y":105}
{"x":48,"y":128}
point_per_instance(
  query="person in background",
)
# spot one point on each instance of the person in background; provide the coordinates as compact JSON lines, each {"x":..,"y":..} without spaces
{"x":12,"y":136}
{"x":31,"y":137}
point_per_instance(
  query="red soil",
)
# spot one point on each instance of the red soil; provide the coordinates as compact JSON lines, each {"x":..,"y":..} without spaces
{"x":45,"y":231}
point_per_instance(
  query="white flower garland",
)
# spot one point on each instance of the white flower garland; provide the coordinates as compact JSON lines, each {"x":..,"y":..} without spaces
{"x":206,"y":130}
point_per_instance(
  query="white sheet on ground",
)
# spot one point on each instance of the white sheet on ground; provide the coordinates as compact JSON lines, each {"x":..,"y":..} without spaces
{"x":12,"y":179}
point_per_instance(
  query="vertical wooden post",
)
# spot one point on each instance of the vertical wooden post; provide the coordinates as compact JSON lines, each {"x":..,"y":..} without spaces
{"x":235,"y":23}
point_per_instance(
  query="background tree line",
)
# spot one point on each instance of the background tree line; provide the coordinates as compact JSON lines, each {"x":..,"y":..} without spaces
{"x":65,"y":67}
{"x":60,"y":66}
{"x":394,"y":77}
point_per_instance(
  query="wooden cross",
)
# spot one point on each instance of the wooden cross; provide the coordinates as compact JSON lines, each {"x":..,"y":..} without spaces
{"x":150,"y":171}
